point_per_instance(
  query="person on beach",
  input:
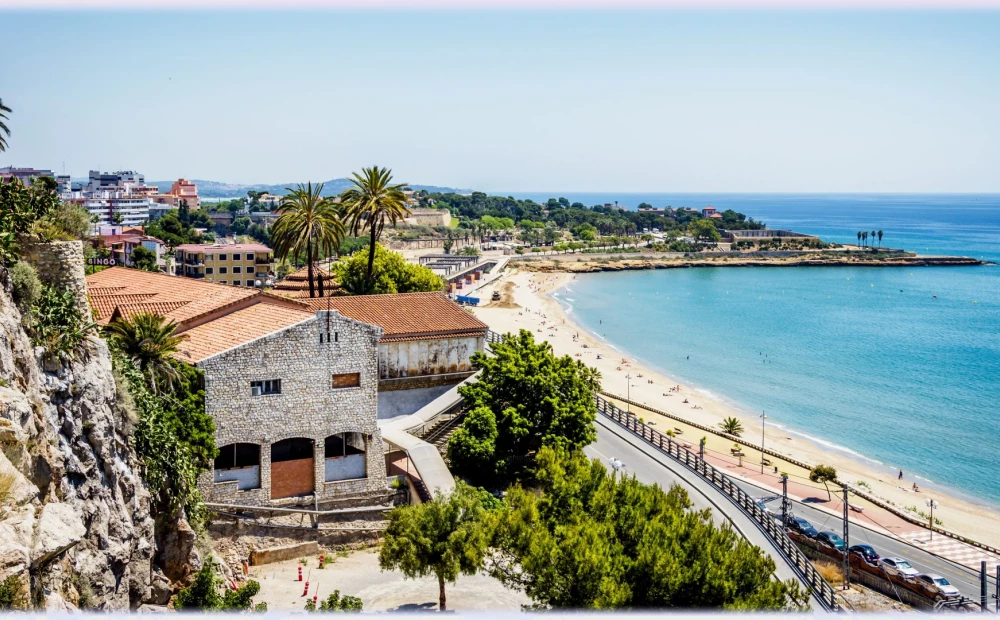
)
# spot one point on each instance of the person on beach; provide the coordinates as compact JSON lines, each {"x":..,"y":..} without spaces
{"x":900,"y":474}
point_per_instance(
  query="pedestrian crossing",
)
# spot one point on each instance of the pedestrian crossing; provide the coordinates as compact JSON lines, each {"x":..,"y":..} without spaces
{"x":954,"y":550}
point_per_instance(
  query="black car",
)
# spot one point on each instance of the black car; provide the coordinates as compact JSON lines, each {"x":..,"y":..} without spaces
{"x":866,"y":552}
{"x":800,"y":525}
{"x":831,"y":539}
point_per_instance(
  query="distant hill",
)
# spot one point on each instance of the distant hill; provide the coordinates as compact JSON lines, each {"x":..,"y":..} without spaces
{"x":333,"y":187}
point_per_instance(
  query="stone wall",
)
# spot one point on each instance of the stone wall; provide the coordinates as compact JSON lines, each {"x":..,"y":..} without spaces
{"x":434,"y":356}
{"x":307,"y":407}
{"x":60,"y":264}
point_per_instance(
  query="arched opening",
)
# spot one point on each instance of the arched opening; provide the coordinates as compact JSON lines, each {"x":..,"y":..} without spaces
{"x":239,"y":462}
{"x":346,"y":457}
{"x":292,"y":467}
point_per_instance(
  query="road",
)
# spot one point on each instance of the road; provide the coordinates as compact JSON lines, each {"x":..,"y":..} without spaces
{"x":650,"y":466}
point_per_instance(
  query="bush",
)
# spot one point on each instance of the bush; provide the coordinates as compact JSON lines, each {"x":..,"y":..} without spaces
{"x":56,"y":323}
{"x":12,"y":594}
{"x":65,"y":222}
{"x":26,"y":288}
{"x":391,"y":274}
{"x":203,"y":593}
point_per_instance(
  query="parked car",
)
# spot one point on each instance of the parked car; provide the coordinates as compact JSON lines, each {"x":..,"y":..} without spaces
{"x":899,"y":567}
{"x":832,"y":539}
{"x":866,"y":552}
{"x":800,"y":525}
{"x":937,"y":583}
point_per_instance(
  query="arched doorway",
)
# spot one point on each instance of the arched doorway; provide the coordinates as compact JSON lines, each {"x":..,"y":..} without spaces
{"x":292,"y":468}
{"x":240,"y":463}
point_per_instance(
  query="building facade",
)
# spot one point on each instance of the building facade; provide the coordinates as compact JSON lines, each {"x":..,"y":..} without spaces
{"x":295,"y":414}
{"x":181,"y":190}
{"x":240,"y":264}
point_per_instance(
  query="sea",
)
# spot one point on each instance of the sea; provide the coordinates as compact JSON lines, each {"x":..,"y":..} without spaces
{"x":899,"y":367}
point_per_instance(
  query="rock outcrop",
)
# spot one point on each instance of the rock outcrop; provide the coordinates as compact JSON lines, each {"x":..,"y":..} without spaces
{"x":75,"y":524}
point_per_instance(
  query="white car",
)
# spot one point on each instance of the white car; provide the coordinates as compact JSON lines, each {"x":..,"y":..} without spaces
{"x":899,"y":567}
{"x":940,"y":584}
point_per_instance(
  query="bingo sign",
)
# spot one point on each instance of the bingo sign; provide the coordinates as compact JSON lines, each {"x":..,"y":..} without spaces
{"x":103,"y":262}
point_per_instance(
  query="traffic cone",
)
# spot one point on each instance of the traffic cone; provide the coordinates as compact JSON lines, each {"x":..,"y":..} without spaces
{"x":300,"y":573}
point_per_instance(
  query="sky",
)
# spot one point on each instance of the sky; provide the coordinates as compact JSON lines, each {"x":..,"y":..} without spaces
{"x":514,"y":100}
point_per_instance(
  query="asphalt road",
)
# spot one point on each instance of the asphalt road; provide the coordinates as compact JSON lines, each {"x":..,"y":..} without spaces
{"x":650,"y":466}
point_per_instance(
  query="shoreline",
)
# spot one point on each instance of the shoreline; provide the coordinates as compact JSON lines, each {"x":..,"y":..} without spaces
{"x":538,"y":308}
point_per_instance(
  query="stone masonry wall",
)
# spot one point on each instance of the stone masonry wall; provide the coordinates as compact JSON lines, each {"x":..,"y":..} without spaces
{"x":60,"y":264}
{"x":307,"y":407}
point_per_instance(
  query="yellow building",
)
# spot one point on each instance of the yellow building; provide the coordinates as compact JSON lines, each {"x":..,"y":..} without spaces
{"x":240,"y":264}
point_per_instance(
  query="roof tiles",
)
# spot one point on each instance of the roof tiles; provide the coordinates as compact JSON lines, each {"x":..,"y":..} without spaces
{"x":405,"y":316}
{"x":237,"y":328}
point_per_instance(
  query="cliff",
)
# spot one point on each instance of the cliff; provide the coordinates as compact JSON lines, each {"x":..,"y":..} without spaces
{"x":75,"y":524}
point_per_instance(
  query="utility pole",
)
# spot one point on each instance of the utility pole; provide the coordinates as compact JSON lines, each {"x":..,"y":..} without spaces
{"x":932,"y":504}
{"x":628,"y":392}
{"x":762,"y":419}
{"x":784,"y":500}
{"x":847,"y":545}
{"x":984,"y":587}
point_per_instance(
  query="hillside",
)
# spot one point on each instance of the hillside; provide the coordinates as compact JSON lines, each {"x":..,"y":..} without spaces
{"x":217,"y":189}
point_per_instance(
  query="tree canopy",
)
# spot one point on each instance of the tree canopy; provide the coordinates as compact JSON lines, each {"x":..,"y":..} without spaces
{"x":372,"y":201}
{"x":391,"y":274}
{"x":591,"y":539}
{"x":525,"y":398}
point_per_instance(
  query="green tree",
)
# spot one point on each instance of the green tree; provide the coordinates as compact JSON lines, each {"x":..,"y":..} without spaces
{"x":859,"y":237}
{"x":704,"y":230}
{"x":309,"y":223}
{"x":591,"y":539}
{"x":4,"y":111}
{"x":150,"y":342}
{"x":21,"y":207}
{"x":203,"y":593}
{"x":536,"y":399}
{"x":880,"y":239}
{"x":241,"y":225}
{"x":368,"y":205}
{"x":391,"y":274}
{"x":444,"y":537}
{"x":825,"y":474}
{"x":731,"y":426}
{"x":144,"y":259}
{"x":473,"y":444}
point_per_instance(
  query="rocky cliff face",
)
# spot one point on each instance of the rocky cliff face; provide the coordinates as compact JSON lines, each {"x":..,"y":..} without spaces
{"x":75,"y":524}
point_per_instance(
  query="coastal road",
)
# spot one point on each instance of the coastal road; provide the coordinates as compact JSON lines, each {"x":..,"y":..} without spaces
{"x":650,"y":466}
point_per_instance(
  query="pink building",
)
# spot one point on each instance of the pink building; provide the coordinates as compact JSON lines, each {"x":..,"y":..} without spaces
{"x":182,"y":189}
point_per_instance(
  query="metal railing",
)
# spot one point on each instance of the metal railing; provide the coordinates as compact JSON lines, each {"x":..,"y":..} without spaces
{"x":824,"y":592}
{"x":821,"y":588}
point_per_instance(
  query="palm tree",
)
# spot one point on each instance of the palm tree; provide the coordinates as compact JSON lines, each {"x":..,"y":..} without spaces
{"x":864,"y":237}
{"x":308,"y":223}
{"x":4,"y":110}
{"x":880,"y":239}
{"x":150,"y":342}
{"x":859,"y":237}
{"x":873,"y":237}
{"x":371,"y":202}
{"x":731,"y":426}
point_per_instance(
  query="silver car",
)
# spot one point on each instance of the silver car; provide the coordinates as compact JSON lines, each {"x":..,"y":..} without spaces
{"x":898,"y":567}
{"x":939,"y":584}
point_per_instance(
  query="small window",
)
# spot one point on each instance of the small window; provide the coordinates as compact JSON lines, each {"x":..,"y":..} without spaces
{"x":268,"y":386}
{"x":223,"y":256}
{"x":237,"y":269}
{"x":209,"y":270}
{"x":223,"y":282}
{"x":223,"y":271}
{"x":209,"y":258}
{"x":237,"y":283}
{"x":249,"y":256}
{"x":346,"y":380}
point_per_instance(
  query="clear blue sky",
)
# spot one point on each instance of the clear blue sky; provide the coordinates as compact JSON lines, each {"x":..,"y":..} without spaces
{"x":677,"y":101}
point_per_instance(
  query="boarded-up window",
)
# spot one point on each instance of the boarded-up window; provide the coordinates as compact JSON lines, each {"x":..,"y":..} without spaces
{"x":347,"y":380}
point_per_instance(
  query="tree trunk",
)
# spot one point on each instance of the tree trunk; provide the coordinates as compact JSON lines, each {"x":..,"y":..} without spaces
{"x":442,"y":606}
{"x":369,"y":282}
{"x":320,"y":274}
{"x":309,"y":262}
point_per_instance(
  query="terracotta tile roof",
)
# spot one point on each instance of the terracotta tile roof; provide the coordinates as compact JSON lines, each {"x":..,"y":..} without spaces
{"x":104,"y":290}
{"x":407,"y":316}
{"x":104,"y":305}
{"x":164,"y":308}
{"x":237,"y":328}
{"x":202,"y":297}
{"x":296,"y":284}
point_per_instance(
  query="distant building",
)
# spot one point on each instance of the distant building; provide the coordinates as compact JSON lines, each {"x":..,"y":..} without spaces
{"x":269,"y":202}
{"x":113,"y":197}
{"x":120,"y":244}
{"x":181,"y":190}
{"x":428,"y":217}
{"x":708,"y":212}
{"x":238,"y":264}
{"x":296,"y":284}
{"x":23,"y":174}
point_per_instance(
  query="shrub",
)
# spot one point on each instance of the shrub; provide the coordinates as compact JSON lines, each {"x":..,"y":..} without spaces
{"x":57,"y":324}
{"x":26,"y":288}
{"x":203,"y":593}
{"x":65,"y":222}
{"x":12,"y":594}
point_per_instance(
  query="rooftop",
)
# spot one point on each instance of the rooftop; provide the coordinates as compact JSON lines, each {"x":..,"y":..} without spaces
{"x":237,"y":328}
{"x":296,"y":284}
{"x":406,"y":316}
{"x":218,"y":248}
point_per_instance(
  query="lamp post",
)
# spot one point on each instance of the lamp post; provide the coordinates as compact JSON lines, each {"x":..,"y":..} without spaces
{"x":762,"y":419}
{"x":628,"y":392}
{"x":932,"y":504}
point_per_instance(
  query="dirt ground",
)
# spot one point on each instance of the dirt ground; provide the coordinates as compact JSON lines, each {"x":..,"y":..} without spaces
{"x":358,"y":574}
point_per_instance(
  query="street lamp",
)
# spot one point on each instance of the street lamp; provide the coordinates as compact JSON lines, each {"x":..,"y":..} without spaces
{"x":932,"y":504}
{"x":628,"y":392}
{"x":762,"y":419}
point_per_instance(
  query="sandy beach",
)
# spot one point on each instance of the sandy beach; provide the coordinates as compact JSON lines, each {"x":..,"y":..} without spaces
{"x":527,"y":304}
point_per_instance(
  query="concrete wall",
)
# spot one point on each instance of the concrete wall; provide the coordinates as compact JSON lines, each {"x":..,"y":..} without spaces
{"x":348,"y":467}
{"x":428,"y":357}
{"x":246,"y":477}
{"x":307,"y":407}
{"x":404,"y":402}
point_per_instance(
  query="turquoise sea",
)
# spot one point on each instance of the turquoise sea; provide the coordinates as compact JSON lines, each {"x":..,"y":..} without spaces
{"x":897,"y":365}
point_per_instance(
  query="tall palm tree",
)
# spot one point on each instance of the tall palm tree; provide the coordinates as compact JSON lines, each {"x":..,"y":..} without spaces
{"x":864,"y":237}
{"x":859,"y":237}
{"x":880,"y":239}
{"x":150,"y":342}
{"x":873,"y":237}
{"x":308,"y":223}
{"x":370,"y":203}
{"x":4,"y":110}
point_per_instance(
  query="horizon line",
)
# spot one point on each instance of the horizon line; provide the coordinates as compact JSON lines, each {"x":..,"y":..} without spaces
{"x":505,"y":5}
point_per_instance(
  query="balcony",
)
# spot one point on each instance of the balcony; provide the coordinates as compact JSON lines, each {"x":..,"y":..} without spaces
{"x":264,"y":261}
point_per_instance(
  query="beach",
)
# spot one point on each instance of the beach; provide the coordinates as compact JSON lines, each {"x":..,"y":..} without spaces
{"x":527,"y":304}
